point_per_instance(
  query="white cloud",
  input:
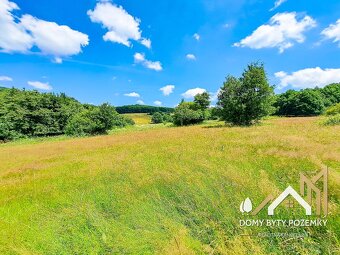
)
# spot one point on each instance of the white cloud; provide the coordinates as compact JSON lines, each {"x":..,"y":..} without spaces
{"x":214,"y":96}
{"x":167,"y":90}
{"x":132,"y":94}
{"x":277,"y":4}
{"x":282,"y":32}
{"x":57,"y":60}
{"x":191,"y":93}
{"x":140,"y":102}
{"x":191,"y":56}
{"x":40,"y":85}
{"x":332,"y":32}
{"x":5,"y":78}
{"x":140,"y":58}
{"x":309,"y":77}
{"x":49,"y":37}
{"x":197,"y":37}
{"x":158,"y":103}
{"x":146,"y":43}
{"x":13,"y":37}
{"x":122,"y":27}
{"x":53,"y":39}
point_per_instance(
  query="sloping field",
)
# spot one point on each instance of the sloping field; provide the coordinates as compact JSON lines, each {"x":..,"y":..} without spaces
{"x":164,"y":191}
{"x":139,"y":118}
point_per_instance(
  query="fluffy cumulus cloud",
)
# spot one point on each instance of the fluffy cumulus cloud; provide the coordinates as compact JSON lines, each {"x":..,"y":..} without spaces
{"x":22,"y":34}
{"x":283,"y":30}
{"x":191,"y":56}
{"x":122,"y":27}
{"x":40,"y":85}
{"x":158,"y":103}
{"x":13,"y":37}
{"x":197,"y":37}
{"x":191,"y":93}
{"x":332,"y":32}
{"x":277,"y":4}
{"x":153,"y":65}
{"x":53,"y":39}
{"x":141,"y":102}
{"x":167,"y":90}
{"x":308,"y":78}
{"x":5,"y":78}
{"x":132,"y":94}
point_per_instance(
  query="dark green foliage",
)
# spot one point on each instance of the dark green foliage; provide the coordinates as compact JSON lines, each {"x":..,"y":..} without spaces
{"x":157,"y":118}
{"x":214,"y":113}
{"x":333,"y":110}
{"x":142,"y":109}
{"x":306,"y":102}
{"x":245,"y":100}
{"x":122,"y":121}
{"x":30,"y":113}
{"x":202,"y":101}
{"x":331,"y":94}
{"x":167,"y":117}
{"x":186,"y":113}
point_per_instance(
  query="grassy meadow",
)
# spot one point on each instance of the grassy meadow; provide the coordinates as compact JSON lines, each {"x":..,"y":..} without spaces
{"x":139,"y":118}
{"x":164,"y":190}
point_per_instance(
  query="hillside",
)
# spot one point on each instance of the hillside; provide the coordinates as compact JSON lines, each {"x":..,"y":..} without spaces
{"x":137,"y":108}
{"x":163,"y":191}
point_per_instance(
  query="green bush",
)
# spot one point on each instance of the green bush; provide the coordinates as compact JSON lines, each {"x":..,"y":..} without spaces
{"x":94,"y":120}
{"x":186,"y":114}
{"x":333,"y":120}
{"x":333,"y":110}
{"x":307,"y":102}
{"x":120,"y":121}
{"x":245,"y":100}
{"x":167,"y":117}
{"x":157,"y":118}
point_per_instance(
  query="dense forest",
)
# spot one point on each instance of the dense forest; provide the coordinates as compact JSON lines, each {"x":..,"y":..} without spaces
{"x":142,"y":109}
{"x":30,"y":113}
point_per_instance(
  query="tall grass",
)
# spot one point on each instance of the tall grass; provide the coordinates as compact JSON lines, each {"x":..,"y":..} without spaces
{"x":163,"y":190}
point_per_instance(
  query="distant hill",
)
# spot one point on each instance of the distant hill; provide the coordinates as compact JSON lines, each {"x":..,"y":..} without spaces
{"x":142,"y":109}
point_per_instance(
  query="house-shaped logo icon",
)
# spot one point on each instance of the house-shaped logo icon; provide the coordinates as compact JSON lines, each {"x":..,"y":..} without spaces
{"x":308,"y":187}
{"x":289,"y":191}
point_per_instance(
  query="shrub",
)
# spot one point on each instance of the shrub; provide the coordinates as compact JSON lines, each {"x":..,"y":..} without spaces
{"x":94,"y":120}
{"x":186,"y":114}
{"x":333,"y":110}
{"x":167,"y":117}
{"x":157,"y":118}
{"x":245,"y":100}
{"x":333,"y":120}
{"x":308,"y":102}
{"x":122,"y":121}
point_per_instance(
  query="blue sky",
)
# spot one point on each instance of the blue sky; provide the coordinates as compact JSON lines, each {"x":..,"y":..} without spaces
{"x":125,"y":51}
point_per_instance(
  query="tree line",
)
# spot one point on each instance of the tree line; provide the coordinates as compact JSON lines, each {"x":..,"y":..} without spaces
{"x":137,"y":108}
{"x":245,"y":100}
{"x":31,"y":114}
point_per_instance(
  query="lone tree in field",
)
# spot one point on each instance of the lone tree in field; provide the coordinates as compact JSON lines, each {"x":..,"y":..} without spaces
{"x":244,"y":101}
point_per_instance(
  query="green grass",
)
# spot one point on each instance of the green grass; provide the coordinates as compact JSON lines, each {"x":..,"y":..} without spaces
{"x":158,"y":189}
{"x":139,"y":118}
